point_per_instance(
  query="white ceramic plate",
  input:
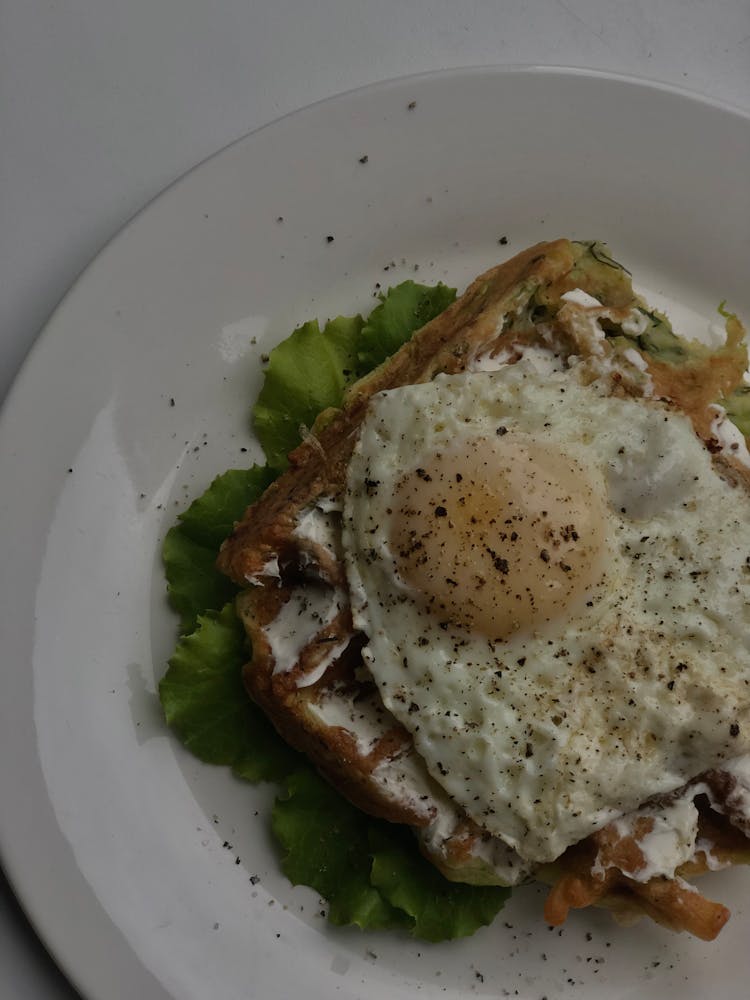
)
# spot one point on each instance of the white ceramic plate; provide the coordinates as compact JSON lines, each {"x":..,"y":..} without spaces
{"x":116,"y":840}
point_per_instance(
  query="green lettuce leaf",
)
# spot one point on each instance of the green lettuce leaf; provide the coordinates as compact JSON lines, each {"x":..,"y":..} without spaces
{"x":326,"y":846}
{"x":310,"y":370}
{"x":402,"y":311}
{"x":190,"y":548}
{"x":205,"y":702}
{"x":440,"y":909}
{"x":307,"y":373}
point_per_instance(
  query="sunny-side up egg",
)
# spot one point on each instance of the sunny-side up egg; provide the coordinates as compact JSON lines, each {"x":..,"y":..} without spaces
{"x":554,"y":584}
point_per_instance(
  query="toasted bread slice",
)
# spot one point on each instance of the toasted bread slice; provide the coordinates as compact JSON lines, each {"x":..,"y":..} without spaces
{"x":307,"y":672}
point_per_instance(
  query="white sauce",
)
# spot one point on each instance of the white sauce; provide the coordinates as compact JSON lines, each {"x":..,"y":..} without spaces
{"x":635,"y":325}
{"x":542,"y":359}
{"x":405,"y":780}
{"x":636,"y":359}
{"x":730,"y":437}
{"x":713,"y":864}
{"x":674,"y":838}
{"x":489,"y":362}
{"x":319,"y":527}
{"x":508,"y":867}
{"x":670,"y":843}
{"x":299,"y":621}
{"x":365,"y":719}
{"x":581,"y":298}
{"x":333,"y":652}
{"x":271,"y":569}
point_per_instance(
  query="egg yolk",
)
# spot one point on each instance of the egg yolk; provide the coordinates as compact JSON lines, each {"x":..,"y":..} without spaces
{"x":500,"y":536}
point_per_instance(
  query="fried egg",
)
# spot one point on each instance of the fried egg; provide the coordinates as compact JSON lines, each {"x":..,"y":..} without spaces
{"x":554,"y":583}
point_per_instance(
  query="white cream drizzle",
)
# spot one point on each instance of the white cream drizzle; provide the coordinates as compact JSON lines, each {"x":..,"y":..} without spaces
{"x":270,"y":570}
{"x":365,"y":719}
{"x":581,"y":298}
{"x":669,"y":844}
{"x":333,"y":652}
{"x":674,"y":837}
{"x":636,"y":359}
{"x":730,"y":437}
{"x":298,"y":622}
{"x":319,"y":527}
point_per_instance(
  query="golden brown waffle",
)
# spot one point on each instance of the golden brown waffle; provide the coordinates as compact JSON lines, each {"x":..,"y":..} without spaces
{"x":325,"y":703}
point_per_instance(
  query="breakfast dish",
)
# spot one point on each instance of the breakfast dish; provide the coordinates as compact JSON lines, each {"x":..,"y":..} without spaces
{"x":142,"y":838}
{"x":498,"y":596}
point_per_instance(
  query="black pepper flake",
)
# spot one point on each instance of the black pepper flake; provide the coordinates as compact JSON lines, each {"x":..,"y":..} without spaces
{"x":501,"y":431}
{"x":734,"y":729}
{"x":670,"y":685}
{"x":424,"y":475}
{"x":544,"y":555}
{"x":503,"y":241}
{"x":411,"y":105}
{"x":371,"y":486}
{"x":441,"y":512}
{"x":329,"y":239}
{"x":364,"y":159}
{"x":529,"y":751}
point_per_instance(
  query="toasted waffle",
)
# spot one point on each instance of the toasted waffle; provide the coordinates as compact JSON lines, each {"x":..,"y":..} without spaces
{"x":311,"y":681}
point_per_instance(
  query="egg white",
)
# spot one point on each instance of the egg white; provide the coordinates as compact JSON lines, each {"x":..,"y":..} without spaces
{"x":544,"y":737}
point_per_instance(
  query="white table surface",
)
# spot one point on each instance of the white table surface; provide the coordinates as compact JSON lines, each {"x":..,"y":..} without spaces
{"x":104,"y":103}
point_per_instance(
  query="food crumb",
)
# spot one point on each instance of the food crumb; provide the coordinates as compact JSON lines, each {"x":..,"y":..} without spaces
{"x":329,"y":239}
{"x":411,"y":105}
{"x":503,"y":241}
{"x":364,"y":159}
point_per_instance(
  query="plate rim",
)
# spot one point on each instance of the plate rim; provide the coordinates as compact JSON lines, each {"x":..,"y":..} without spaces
{"x":492,"y":69}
